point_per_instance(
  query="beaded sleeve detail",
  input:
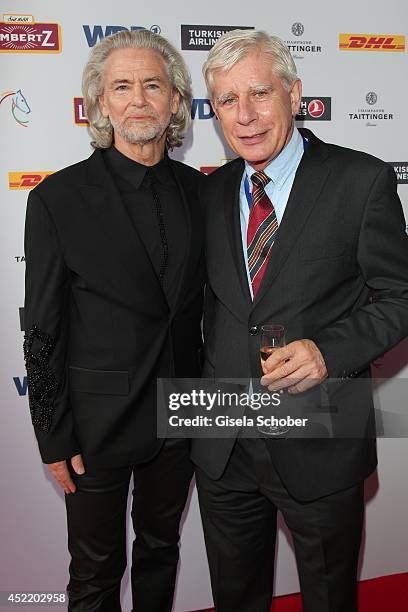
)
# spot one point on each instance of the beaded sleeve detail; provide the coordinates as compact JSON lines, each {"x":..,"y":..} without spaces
{"x":42,"y":384}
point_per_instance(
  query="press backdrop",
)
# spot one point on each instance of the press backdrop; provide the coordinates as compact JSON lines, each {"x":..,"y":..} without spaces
{"x":352,"y":59}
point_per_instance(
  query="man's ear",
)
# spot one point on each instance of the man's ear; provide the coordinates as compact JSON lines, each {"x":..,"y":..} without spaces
{"x":213,"y":106}
{"x":175,"y":102}
{"x":296,"y":96}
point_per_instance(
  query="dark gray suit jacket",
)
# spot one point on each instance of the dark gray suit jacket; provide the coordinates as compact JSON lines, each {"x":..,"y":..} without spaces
{"x":338,"y":274}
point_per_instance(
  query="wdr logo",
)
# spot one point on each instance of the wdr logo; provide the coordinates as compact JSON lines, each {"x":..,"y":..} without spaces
{"x":201,"y":109}
{"x":98,"y":32}
{"x":21,"y":385}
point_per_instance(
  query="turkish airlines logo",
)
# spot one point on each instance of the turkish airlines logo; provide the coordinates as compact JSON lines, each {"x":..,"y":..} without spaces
{"x":203,"y":37}
{"x":26,"y":180}
{"x":17,"y":35}
{"x":372,"y":42}
{"x":401,"y":171}
{"x":314,"y":109}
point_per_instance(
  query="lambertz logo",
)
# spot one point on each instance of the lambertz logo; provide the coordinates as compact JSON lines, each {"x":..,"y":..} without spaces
{"x":199,"y":37}
{"x":79,"y":112}
{"x":401,"y":171}
{"x":314,"y":109}
{"x":26,"y":180}
{"x":371,"y":115}
{"x":372,"y":42}
{"x":301,"y":48}
{"x":19,"y":106}
{"x":95,"y":33}
{"x":21,"y":34}
{"x":201,"y":109}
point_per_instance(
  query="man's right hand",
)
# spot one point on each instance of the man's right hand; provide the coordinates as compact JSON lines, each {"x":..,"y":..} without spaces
{"x":59,"y":470}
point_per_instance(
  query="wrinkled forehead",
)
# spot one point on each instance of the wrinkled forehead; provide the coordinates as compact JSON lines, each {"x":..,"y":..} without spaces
{"x":256,"y":69}
{"x":135,"y":60}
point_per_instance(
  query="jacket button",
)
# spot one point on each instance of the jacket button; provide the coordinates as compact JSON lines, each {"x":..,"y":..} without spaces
{"x":254,"y":330}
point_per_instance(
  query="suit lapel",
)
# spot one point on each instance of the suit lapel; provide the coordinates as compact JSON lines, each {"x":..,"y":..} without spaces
{"x":231,"y":194}
{"x":310,"y":178}
{"x":122,"y":239}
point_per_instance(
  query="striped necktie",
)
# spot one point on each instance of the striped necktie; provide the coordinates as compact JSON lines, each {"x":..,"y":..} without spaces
{"x":262,"y":228}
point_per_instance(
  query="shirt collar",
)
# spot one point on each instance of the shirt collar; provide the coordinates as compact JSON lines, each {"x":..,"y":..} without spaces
{"x":134,"y":172}
{"x":285,"y":163}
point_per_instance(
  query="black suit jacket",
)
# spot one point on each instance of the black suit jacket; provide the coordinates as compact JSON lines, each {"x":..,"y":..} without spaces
{"x":341,"y":239}
{"x":98,"y":327}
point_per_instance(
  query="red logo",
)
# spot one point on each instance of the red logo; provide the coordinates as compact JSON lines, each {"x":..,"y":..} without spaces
{"x":208,"y":169}
{"x":79,"y":113}
{"x":30,"y":37}
{"x":315,"y":108}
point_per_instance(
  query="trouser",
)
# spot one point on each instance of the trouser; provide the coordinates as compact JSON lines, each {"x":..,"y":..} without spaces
{"x":239,"y":518}
{"x":96,"y":515}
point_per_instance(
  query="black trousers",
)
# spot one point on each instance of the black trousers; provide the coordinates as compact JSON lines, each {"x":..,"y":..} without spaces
{"x":96,"y":515}
{"x":239,"y":518}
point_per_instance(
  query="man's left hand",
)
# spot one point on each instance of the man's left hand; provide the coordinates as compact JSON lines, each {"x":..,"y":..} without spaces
{"x":298,"y":366}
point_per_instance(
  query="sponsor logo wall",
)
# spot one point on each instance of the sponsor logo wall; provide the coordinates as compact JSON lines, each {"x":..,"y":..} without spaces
{"x":352,"y":81}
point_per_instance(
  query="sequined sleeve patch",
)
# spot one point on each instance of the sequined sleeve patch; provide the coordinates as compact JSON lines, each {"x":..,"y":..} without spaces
{"x":42,"y":384}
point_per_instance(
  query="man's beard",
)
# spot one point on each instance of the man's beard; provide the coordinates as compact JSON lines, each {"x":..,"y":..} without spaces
{"x":140,"y":134}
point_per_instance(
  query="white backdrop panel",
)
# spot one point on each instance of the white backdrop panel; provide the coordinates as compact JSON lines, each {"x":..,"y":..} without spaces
{"x":32,"y":529}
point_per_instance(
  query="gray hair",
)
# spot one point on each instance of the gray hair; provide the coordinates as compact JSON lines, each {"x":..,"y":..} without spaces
{"x":237,"y":44}
{"x":100,"y":127}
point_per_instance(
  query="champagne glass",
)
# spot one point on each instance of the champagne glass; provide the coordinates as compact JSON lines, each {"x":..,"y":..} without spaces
{"x":272,"y":338}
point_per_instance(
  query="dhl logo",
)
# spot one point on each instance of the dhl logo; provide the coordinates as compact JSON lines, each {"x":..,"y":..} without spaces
{"x":26,"y":180}
{"x":371,"y":42}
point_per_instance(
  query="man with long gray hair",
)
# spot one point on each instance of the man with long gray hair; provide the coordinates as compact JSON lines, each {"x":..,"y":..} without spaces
{"x":114,"y":287}
{"x":309,"y":236}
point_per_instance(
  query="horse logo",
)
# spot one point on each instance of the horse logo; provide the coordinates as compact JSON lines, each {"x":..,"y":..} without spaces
{"x":19,"y":106}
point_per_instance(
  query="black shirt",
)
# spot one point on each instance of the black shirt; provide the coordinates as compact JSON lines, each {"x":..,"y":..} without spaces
{"x":159,"y":221}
